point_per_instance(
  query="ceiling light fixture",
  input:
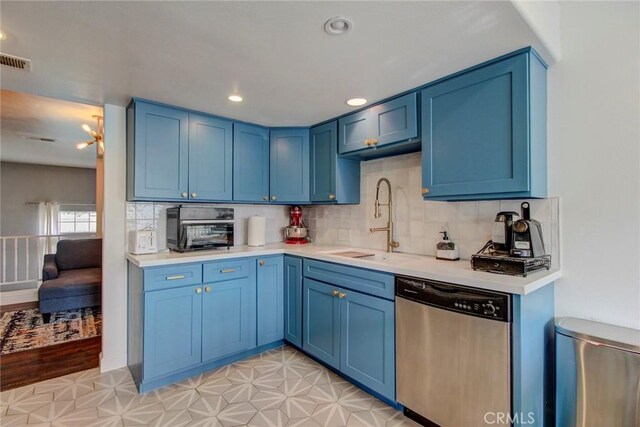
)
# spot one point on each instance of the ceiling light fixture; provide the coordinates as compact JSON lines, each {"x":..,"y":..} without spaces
{"x":3,"y":36}
{"x":356,"y":102}
{"x":338,"y":25}
{"x":235,"y":98}
{"x":97,"y":135}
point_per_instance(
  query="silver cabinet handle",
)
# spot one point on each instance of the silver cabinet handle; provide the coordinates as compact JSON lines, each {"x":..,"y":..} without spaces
{"x":262,"y":262}
{"x":194,"y":195}
{"x":184,"y":194}
{"x":228,"y":270}
{"x":273,"y":198}
{"x":198,"y":290}
{"x":265,"y":198}
{"x":176,"y":277}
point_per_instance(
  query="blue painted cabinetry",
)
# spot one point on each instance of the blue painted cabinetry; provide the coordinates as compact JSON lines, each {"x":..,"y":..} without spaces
{"x":350,"y":330}
{"x":289,"y":165}
{"x":293,"y":300}
{"x":370,"y":131}
{"x":175,"y":155}
{"x":484,"y":132}
{"x":250,"y":163}
{"x":332,"y":179}
{"x":270,"y":288}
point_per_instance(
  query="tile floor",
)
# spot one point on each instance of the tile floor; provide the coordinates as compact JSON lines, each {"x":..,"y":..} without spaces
{"x":281,"y":387}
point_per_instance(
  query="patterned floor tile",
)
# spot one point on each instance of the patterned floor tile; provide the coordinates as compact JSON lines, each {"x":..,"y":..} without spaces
{"x":281,"y":387}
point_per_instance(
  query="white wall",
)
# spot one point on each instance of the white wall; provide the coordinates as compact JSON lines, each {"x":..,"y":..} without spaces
{"x":114,"y":267}
{"x":594,"y":161}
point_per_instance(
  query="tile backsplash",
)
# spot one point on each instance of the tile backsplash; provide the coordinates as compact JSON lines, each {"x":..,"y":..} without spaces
{"x":418,"y":223}
{"x":152,"y":216}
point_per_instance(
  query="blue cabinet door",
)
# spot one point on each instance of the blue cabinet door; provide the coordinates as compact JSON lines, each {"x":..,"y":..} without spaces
{"x":321,"y":324}
{"x":158,"y":149}
{"x":289,"y":165}
{"x":367,"y":341}
{"x":476,"y":129}
{"x":270,"y":290}
{"x":355,"y":129}
{"x":172,"y":330}
{"x":293,"y":300}
{"x":228,"y":318}
{"x":210,"y":158}
{"x":250,"y":163}
{"x":323,"y":149}
{"x":395,"y":120}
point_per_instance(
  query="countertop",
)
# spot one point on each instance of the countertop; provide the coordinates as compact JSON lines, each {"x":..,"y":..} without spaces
{"x":421,"y":266}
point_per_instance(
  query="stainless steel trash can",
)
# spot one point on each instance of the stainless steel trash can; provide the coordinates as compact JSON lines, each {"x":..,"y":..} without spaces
{"x":597,"y":374}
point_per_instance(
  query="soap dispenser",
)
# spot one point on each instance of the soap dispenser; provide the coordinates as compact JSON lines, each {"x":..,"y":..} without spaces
{"x":447,"y":249}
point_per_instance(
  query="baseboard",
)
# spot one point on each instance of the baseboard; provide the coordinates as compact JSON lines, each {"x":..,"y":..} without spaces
{"x":17,"y":297}
{"x":113,"y":361}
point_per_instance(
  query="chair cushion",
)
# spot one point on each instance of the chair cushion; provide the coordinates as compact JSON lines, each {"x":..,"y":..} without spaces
{"x":83,"y":253}
{"x":69,"y":283}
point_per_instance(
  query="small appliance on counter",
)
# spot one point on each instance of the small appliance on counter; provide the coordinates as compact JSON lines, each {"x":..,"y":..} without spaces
{"x":447,"y":249}
{"x":297,"y":232}
{"x":142,"y":242}
{"x":197,"y":228}
{"x":516,"y":248}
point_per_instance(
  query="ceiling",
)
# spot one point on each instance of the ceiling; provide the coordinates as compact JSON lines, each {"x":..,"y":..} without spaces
{"x":24,"y":117}
{"x":275,"y":54}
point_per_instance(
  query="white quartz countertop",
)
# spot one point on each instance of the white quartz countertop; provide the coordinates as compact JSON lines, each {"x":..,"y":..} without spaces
{"x":421,"y":266}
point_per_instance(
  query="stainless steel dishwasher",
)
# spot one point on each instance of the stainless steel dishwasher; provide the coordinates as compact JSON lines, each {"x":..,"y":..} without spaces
{"x":453,"y":354}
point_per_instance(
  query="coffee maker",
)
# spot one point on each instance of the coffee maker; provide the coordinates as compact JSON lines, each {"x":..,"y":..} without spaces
{"x":527,"y":239}
{"x":297,"y":232}
{"x":502,"y":234}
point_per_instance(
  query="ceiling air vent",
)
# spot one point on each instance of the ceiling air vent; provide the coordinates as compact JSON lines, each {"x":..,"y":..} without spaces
{"x":15,"y":62}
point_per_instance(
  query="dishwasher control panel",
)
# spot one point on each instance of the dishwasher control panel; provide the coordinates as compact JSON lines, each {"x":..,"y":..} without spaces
{"x":462,"y":299}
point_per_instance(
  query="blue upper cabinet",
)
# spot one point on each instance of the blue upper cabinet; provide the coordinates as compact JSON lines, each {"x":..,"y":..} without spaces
{"x":385,"y":129}
{"x":484,"y":132}
{"x":270,"y":286}
{"x":289,"y":165}
{"x":210,"y":158}
{"x":158,"y":161}
{"x":250,"y":163}
{"x":332,"y":179}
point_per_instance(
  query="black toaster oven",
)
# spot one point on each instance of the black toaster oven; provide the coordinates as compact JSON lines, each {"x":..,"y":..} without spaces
{"x":197,"y":228}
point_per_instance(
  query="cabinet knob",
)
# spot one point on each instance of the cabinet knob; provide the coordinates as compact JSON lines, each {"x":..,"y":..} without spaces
{"x":374,"y":141}
{"x":332,"y":196}
{"x":342,"y":295}
{"x":265,"y":198}
{"x":335,"y":293}
{"x":194,"y":195}
{"x":198,"y":290}
{"x":273,"y":198}
{"x":207,"y":288}
{"x":184,"y":194}
{"x":262,"y":262}
{"x":367,"y":142}
{"x":425,"y":191}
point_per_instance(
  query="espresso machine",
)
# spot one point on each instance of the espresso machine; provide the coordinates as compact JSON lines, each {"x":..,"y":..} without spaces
{"x":297,"y":232}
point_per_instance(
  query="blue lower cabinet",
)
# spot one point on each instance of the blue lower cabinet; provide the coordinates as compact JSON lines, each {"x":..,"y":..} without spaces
{"x":270,"y":290}
{"x":293,"y":300}
{"x":367,"y":341}
{"x":321,"y":323}
{"x":173,"y":322}
{"x":228,"y":318}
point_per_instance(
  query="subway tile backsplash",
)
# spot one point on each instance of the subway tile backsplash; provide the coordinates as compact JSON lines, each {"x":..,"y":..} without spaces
{"x":417,"y":223}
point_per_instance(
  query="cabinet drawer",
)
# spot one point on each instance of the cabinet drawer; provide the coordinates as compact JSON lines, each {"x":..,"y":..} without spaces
{"x":225,"y":270}
{"x":358,"y":279}
{"x":169,"y":277}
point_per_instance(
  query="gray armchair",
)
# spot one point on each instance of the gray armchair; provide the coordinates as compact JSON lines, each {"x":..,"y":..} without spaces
{"x":71,"y":278}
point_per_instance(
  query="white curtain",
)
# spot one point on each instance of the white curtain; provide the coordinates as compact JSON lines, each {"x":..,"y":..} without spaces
{"x":48,"y":225}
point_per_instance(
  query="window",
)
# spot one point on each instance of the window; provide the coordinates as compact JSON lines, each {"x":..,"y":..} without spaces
{"x":76,"y":222}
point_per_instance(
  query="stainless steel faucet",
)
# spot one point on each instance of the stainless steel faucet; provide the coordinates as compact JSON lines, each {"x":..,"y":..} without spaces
{"x":391,"y":244}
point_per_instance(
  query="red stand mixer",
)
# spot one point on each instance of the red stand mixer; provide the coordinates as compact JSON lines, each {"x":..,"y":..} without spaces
{"x":297,"y":232}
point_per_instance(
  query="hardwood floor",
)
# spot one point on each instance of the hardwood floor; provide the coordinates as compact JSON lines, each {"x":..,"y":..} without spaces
{"x":16,"y":307}
{"x":30,"y":366}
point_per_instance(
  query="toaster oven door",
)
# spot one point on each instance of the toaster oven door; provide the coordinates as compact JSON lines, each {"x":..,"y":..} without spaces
{"x":196,"y":235}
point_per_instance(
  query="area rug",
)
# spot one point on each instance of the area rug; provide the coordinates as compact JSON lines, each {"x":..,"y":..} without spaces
{"x":25,"y":330}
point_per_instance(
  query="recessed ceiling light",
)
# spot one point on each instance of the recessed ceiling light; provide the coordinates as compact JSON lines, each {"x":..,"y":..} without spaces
{"x":235,"y":98}
{"x":338,"y":25}
{"x":356,"y":102}
{"x":3,"y":36}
